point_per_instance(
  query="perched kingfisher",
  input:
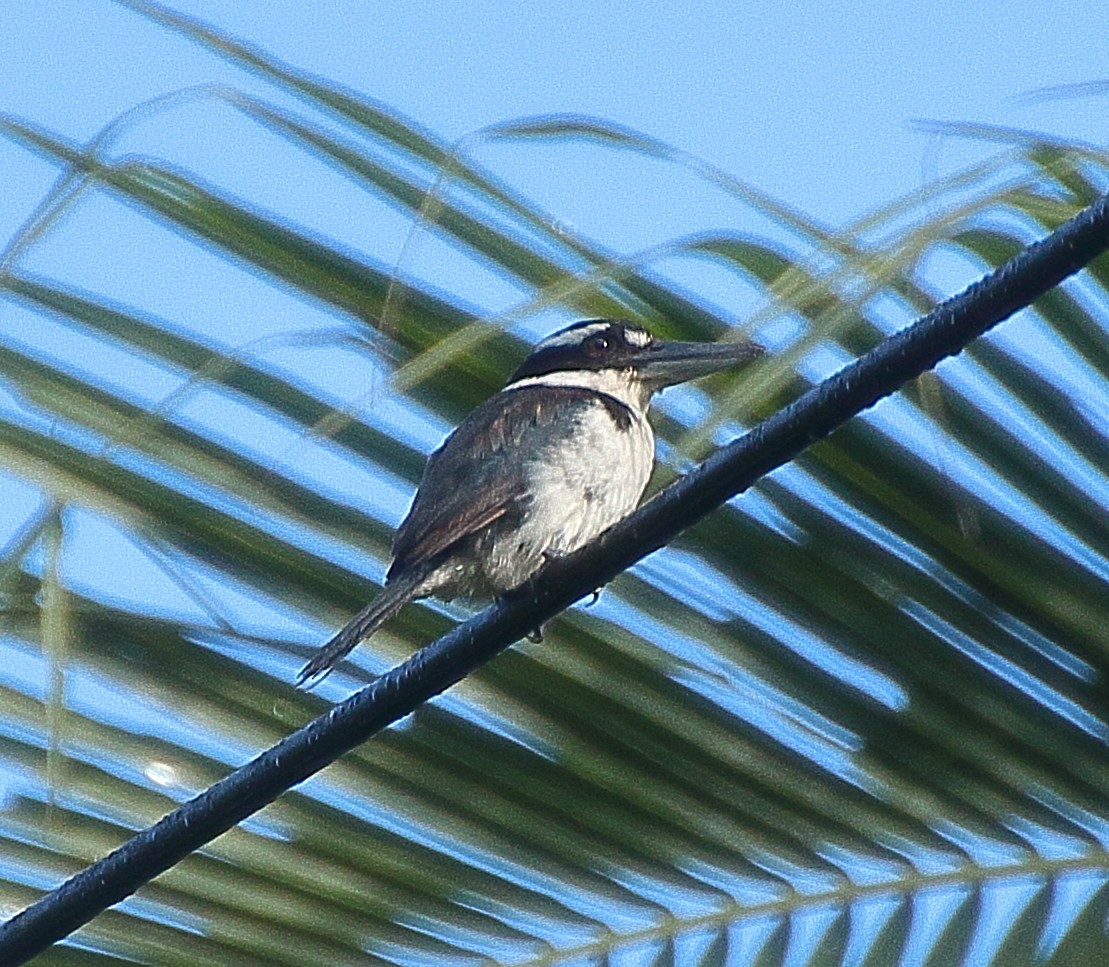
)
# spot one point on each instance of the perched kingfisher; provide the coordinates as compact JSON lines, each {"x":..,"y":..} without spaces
{"x":536,"y":471}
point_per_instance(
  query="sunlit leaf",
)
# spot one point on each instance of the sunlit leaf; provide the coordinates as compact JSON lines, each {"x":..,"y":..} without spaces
{"x":859,"y":716}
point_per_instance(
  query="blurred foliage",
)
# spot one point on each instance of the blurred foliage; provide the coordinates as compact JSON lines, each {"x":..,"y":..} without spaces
{"x":858,"y":717}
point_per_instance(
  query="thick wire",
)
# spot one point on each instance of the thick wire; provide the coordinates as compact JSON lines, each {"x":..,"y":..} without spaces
{"x":731,"y":470}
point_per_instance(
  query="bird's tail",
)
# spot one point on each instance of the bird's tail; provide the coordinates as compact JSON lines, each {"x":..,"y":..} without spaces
{"x":394,"y":596}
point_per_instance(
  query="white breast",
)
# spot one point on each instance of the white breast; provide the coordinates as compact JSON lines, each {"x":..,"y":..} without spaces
{"x":589,"y":477}
{"x":594,"y":479}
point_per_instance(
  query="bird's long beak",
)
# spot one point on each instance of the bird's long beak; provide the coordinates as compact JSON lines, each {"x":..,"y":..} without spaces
{"x":667,"y":363}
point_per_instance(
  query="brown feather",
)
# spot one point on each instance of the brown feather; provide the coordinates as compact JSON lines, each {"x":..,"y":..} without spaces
{"x":453,"y":505}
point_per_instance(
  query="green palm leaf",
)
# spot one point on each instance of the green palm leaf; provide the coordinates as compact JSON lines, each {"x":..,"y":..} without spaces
{"x":857,"y":717}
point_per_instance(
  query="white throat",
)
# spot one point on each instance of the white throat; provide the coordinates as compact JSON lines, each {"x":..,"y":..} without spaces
{"x":617,"y":383}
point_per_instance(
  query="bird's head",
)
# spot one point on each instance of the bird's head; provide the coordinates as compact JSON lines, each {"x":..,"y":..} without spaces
{"x":599,"y":352}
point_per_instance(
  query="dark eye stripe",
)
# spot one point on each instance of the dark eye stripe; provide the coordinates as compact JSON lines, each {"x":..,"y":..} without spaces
{"x":587,"y":345}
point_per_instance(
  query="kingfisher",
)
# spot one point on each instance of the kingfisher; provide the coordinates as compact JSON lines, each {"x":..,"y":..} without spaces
{"x":535,"y":472}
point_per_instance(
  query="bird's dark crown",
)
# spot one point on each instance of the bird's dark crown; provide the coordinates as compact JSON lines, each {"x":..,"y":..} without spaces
{"x":593,"y":344}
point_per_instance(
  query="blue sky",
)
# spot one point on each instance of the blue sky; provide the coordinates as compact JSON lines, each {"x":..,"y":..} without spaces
{"x":813,"y":103}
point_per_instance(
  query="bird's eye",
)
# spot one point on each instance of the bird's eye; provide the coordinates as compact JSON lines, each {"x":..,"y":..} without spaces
{"x":596,"y":345}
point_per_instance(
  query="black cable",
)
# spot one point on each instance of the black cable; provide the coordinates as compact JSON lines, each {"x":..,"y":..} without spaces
{"x":732,"y":469}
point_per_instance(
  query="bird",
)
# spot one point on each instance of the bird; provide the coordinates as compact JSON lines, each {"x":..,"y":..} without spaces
{"x":536,"y":471}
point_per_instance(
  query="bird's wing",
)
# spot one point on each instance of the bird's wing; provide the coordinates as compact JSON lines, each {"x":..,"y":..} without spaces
{"x":479,"y":474}
{"x":439,"y":534}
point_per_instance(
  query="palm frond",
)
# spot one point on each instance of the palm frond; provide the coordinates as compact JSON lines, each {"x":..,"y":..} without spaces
{"x":859,"y":716}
